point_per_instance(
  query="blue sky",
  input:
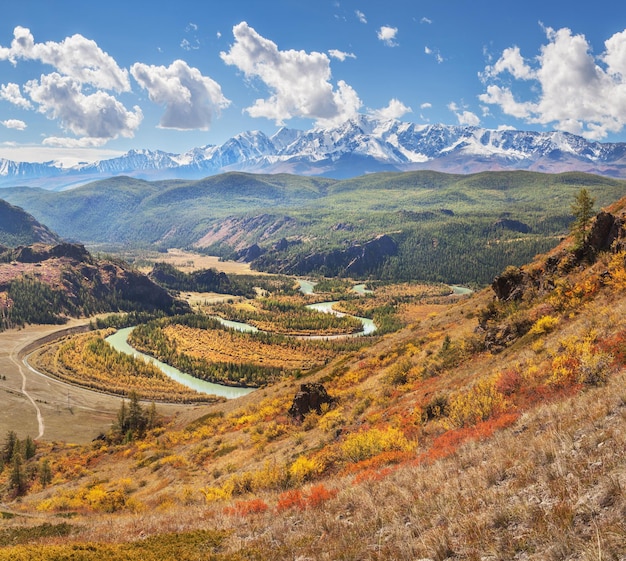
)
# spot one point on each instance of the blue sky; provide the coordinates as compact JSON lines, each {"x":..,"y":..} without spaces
{"x":86,"y":80}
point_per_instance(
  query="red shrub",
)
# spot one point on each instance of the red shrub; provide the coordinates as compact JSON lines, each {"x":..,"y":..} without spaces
{"x":372,"y":475}
{"x":291,"y":499}
{"x":448,"y":443}
{"x":319,"y":494}
{"x":243,"y":508}
{"x":509,"y":382}
{"x":616,"y":346}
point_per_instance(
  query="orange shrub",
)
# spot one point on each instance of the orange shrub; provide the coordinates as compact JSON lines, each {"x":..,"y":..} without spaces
{"x":448,"y":443}
{"x":244,"y":508}
{"x":319,"y":494}
{"x":372,"y":475}
{"x":291,"y":499}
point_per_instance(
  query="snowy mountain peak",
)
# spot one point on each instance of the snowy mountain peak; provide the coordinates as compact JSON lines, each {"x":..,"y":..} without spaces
{"x":360,"y":145}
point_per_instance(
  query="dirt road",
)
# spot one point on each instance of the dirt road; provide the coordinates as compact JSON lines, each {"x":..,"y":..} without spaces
{"x":44,"y":408}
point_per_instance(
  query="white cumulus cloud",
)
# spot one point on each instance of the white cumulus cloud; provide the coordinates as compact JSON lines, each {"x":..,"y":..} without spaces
{"x":571,"y":89}
{"x":75,"y":56}
{"x":77,"y":92}
{"x":388,"y":35}
{"x":511,"y":61}
{"x":97,"y":115}
{"x":340,"y":55}
{"x":191,"y":100}
{"x":299,"y":82}
{"x":463,"y":116}
{"x":360,"y":16}
{"x":394,"y":110}
{"x":14,"y":124}
{"x":11,"y":92}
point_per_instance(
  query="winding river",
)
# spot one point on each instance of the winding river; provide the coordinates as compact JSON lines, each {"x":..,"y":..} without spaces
{"x":119,"y":341}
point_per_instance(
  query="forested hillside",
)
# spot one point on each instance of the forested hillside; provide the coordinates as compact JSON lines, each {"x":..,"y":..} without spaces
{"x":492,"y":426}
{"x":17,"y":227}
{"x":435,"y":226}
{"x":49,"y":283}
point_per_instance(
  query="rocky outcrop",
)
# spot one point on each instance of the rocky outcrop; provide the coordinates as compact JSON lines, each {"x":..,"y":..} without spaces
{"x":39,"y":252}
{"x":83,"y":285}
{"x":250,"y":253}
{"x":509,"y":285}
{"x":607,"y":232}
{"x":310,"y":398}
{"x":357,"y":260}
{"x":499,"y":326}
{"x":512,"y":225}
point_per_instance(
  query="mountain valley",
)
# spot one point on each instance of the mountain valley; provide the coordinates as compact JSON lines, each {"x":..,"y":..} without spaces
{"x":488,"y":425}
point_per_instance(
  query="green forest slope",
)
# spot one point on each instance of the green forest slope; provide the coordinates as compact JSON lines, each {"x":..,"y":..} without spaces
{"x":452,"y":228}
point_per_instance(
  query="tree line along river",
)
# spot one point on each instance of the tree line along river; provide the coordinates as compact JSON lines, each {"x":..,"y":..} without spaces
{"x":119,"y":341}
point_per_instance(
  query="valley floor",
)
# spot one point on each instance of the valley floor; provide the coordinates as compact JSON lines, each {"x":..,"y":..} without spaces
{"x":48,"y":409}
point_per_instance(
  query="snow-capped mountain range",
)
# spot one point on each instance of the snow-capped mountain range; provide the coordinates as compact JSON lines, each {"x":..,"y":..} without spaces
{"x":359,"y":146}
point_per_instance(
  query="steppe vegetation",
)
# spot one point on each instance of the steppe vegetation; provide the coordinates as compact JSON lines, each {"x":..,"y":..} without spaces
{"x":86,"y":360}
{"x":485,"y":427}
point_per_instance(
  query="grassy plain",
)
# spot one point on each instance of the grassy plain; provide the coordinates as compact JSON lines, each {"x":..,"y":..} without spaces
{"x":186,"y":261}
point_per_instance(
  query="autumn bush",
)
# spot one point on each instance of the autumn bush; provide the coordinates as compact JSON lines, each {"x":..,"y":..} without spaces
{"x":245,"y":508}
{"x":365,"y":444}
{"x":477,"y":403}
{"x":544,"y":324}
{"x":291,"y":499}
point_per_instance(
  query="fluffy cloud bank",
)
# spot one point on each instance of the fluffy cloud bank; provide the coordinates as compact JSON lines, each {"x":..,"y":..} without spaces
{"x":577,"y":92}
{"x":76,"y":93}
{"x":299,"y":82}
{"x":98,"y":115}
{"x":14,"y":124}
{"x":76,"y":57}
{"x":394,"y":110}
{"x":191,"y":100}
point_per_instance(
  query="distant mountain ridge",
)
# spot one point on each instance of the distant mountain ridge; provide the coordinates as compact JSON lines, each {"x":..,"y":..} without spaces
{"x":358,"y":146}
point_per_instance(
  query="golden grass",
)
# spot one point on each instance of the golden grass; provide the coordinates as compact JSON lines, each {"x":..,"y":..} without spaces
{"x":541,"y":477}
{"x":224,"y":346}
{"x":74,"y":360}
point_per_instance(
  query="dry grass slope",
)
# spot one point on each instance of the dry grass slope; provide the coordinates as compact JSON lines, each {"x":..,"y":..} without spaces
{"x":436,"y":447}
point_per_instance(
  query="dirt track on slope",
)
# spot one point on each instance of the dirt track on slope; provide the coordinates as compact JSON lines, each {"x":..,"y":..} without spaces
{"x":35,"y":405}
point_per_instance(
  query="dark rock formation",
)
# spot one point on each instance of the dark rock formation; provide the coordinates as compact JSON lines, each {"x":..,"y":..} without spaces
{"x":509,"y":285}
{"x":357,"y":260}
{"x":607,"y":233}
{"x":500,"y":328}
{"x":513,"y":225}
{"x":39,"y":252}
{"x":311,"y":397}
{"x":250,"y":253}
